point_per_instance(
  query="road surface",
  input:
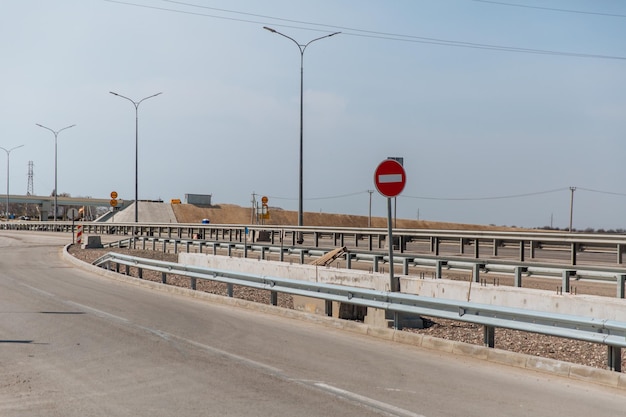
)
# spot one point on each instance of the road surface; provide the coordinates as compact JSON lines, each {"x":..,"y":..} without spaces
{"x":73,"y":343}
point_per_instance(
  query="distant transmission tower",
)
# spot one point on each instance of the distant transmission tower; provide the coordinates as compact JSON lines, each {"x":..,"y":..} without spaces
{"x":29,"y":188}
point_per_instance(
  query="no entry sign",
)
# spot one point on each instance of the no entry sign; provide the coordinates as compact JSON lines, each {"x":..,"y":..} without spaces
{"x":389,"y":178}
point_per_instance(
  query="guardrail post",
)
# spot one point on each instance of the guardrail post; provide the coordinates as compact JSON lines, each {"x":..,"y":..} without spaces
{"x":573,"y":253}
{"x":615,"y":358}
{"x":531,"y":248}
{"x":567,"y":274}
{"x":200,"y":247}
{"x":163,"y":278}
{"x":439,"y":268}
{"x":621,"y":279}
{"x":127,"y":270}
{"x":140,"y":273}
{"x":143,"y":243}
{"x":192,"y":283}
{"x":187,"y":246}
{"x":370,"y":242}
{"x":496,"y":243}
{"x":229,"y":290}
{"x":176,"y":246}
{"x":153,"y":244}
{"x":230,"y":250}
{"x":476,"y":249}
{"x":489,"y":336}
{"x":476,"y":272}
{"x":522,"y":250}
{"x":302,"y":251}
{"x":620,"y":253}
{"x":273,"y":298}
{"x":348,"y":260}
{"x":263,"y":250}
{"x":375,"y":263}
{"x":328,"y":308}
{"x":518,"y":276}
{"x":405,"y":266}
{"x":316,"y":239}
{"x":461,"y":246}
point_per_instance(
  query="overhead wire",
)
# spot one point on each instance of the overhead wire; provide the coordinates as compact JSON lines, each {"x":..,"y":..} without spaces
{"x":349,"y":31}
{"x":500,"y":197}
{"x":552,"y":9}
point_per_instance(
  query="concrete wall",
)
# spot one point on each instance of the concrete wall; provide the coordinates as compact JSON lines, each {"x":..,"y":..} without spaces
{"x":539,"y":300}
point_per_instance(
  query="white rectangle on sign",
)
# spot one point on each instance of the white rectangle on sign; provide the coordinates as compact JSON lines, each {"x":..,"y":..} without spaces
{"x":389,"y":178}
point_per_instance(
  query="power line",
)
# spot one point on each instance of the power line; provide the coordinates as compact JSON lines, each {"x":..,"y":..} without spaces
{"x":552,"y":9}
{"x":349,"y":31}
{"x":504,"y":197}
{"x":602,"y":192}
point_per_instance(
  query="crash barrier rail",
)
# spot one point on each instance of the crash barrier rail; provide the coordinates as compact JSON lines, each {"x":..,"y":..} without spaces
{"x":571,"y":248}
{"x":477,"y":267}
{"x":610,"y":333}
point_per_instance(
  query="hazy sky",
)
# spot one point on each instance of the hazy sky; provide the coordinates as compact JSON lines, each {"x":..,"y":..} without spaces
{"x":497,"y":108}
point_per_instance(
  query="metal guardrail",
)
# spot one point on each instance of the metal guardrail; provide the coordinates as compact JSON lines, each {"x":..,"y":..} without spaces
{"x":476,"y":267}
{"x":519,"y":245}
{"x":611,"y":333}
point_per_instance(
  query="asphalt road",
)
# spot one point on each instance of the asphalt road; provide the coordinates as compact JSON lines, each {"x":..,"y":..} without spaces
{"x":73,"y":343}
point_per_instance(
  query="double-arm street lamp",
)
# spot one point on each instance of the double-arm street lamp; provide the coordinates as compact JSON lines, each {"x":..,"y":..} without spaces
{"x":56,"y":190}
{"x":8,"y":151}
{"x":302,"y":48}
{"x":136,"y":104}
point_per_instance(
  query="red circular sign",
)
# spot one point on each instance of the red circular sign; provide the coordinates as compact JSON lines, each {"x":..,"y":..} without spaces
{"x":389,"y":178}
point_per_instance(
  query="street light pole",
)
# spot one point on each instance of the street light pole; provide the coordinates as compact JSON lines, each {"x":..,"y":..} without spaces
{"x":56,"y":192}
{"x":8,"y":151}
{"x":136,"y":104}
{"x":302,"y":48}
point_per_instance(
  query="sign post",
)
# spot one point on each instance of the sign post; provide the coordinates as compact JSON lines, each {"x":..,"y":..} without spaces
{"x":390,"y":179}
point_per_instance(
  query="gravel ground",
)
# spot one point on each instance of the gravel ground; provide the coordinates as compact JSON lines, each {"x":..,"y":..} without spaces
{"x":583,"y":353}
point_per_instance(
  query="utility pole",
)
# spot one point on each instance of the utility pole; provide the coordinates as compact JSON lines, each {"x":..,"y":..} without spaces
{"x":369,"y":217}
{"x":571,"y":208}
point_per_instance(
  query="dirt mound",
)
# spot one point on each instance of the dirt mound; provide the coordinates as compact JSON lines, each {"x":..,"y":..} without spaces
{"x":233,"y":214}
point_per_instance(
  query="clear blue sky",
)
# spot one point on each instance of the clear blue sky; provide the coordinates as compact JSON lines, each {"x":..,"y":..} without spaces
{"x":441,"y":83}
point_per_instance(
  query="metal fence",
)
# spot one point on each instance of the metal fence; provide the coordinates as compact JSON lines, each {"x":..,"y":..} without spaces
{"x":611,"y":333}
